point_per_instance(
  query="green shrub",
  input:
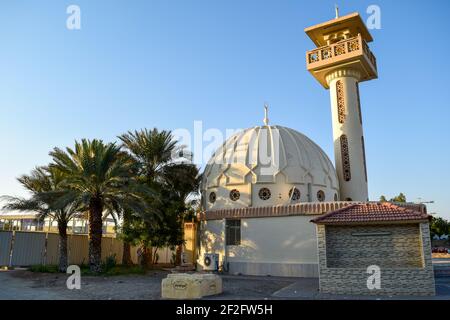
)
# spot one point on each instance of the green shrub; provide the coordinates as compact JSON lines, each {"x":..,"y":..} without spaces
{"x":124,"y":270}
{"x":110,"y":263}
{"x":44,"y":268}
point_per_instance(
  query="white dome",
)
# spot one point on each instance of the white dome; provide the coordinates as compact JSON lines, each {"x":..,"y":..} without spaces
{"x":245,"y":163}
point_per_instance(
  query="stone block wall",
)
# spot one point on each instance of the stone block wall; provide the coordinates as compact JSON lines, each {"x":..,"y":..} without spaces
{"x":384,"y":245}
{"x":412,"y":276}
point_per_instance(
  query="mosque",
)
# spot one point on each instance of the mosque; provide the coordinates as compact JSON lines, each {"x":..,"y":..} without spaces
{"x":274,"y":203}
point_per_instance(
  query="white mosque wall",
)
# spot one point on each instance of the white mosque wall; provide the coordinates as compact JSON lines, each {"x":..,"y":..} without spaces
{"x":277,"y":246}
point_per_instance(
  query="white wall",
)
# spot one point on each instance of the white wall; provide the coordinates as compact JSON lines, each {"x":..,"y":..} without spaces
{"x":280,"y":240}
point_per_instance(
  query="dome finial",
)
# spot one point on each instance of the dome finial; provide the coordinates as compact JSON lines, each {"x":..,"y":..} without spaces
{"x":266,"y":112}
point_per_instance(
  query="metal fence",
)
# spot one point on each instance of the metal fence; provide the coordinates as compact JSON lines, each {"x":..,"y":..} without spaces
{"x":5,"y":247}
{"x":21,"y":248}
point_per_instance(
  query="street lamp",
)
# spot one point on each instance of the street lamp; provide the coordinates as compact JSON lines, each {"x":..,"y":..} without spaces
{"x":421,"y":202}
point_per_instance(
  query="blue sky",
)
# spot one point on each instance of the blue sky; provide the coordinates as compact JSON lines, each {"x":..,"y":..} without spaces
{"x":166,"y":64}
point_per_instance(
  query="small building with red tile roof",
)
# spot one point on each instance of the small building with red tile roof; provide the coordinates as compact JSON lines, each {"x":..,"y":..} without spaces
{"x":375,"y":248}
{"x":372,"y":213}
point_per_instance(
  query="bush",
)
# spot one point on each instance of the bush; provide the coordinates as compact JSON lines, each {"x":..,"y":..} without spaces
{"x":109,"y":269}
{"x":124,"y":270}
{"x":110,"y":262}
{"x":44,"y":269}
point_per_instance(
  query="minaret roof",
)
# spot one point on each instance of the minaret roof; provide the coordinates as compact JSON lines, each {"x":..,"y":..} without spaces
{"x":351,"y":22}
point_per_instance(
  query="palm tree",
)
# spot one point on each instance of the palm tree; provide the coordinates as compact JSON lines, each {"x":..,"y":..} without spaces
{"x":156,"y":154}
{"x":99,"y":178}
{"x":46,"y":180}
{"x":153,"y":150}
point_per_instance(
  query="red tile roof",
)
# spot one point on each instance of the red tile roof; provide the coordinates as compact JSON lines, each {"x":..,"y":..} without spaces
{"x":304,"y":208}
{"x":371,"y":212}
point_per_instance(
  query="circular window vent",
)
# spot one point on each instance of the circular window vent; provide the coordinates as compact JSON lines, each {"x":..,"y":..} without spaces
{"x":212,"y":197}
{"x":294,"y":194}
{"x":234,"y":195}
{"x":264,"y":194}
{"x":320,"y":195}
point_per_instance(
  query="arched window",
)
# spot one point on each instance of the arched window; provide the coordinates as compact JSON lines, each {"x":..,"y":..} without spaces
{"x":359,"y":102}
{"x":340,"y":101}
{"x":364,"y":156}
{"x":345,"y":156}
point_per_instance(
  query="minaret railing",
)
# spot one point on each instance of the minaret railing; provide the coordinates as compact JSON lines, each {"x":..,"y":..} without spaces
{"x":334,"y":51}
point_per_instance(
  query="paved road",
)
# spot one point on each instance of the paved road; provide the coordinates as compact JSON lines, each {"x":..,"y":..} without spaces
{"x":306,"y":289}
{"x":15,"y":288}
{"x":25,"y":285}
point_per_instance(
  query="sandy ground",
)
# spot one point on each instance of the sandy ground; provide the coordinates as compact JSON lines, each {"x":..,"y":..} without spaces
{"x":20,"y":284}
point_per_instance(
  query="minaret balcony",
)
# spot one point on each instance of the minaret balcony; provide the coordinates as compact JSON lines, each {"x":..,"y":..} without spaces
{"x":349,"y":53}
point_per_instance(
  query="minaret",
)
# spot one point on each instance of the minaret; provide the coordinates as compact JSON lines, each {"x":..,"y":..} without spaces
{"x":340,"y":62}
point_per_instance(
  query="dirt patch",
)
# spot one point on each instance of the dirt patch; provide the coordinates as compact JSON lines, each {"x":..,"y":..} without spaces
{"x":98,"y":287}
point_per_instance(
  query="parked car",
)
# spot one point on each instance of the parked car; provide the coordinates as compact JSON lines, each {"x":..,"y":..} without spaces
{"x":440,"y":250}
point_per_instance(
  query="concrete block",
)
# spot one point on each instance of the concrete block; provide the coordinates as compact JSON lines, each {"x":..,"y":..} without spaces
{"x":190,"y":286}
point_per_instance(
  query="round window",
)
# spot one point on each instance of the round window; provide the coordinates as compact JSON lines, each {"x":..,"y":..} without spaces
{"x":294,"y":194}
{"x":212,"y":197}
{"x":320,"y":195}
{"x":234,"y":195}
{"x":264,"y":194}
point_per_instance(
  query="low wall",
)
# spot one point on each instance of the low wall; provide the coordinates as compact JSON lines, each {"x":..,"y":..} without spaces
{"x":21,"y":248}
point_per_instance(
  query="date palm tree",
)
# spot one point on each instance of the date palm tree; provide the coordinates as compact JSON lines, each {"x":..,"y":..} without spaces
{"x":159,"y":165}
{"x":46,"y":180}
{"x":98,"y":177}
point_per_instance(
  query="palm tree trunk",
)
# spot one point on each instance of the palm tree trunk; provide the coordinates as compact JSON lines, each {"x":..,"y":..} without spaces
{"x":95,"y":235}
{"x":126,"y":255}
{"x":155,"y":256}
{"x":178,"y":252}
{"x":146,"y":258}
{"x":62,"y":228}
